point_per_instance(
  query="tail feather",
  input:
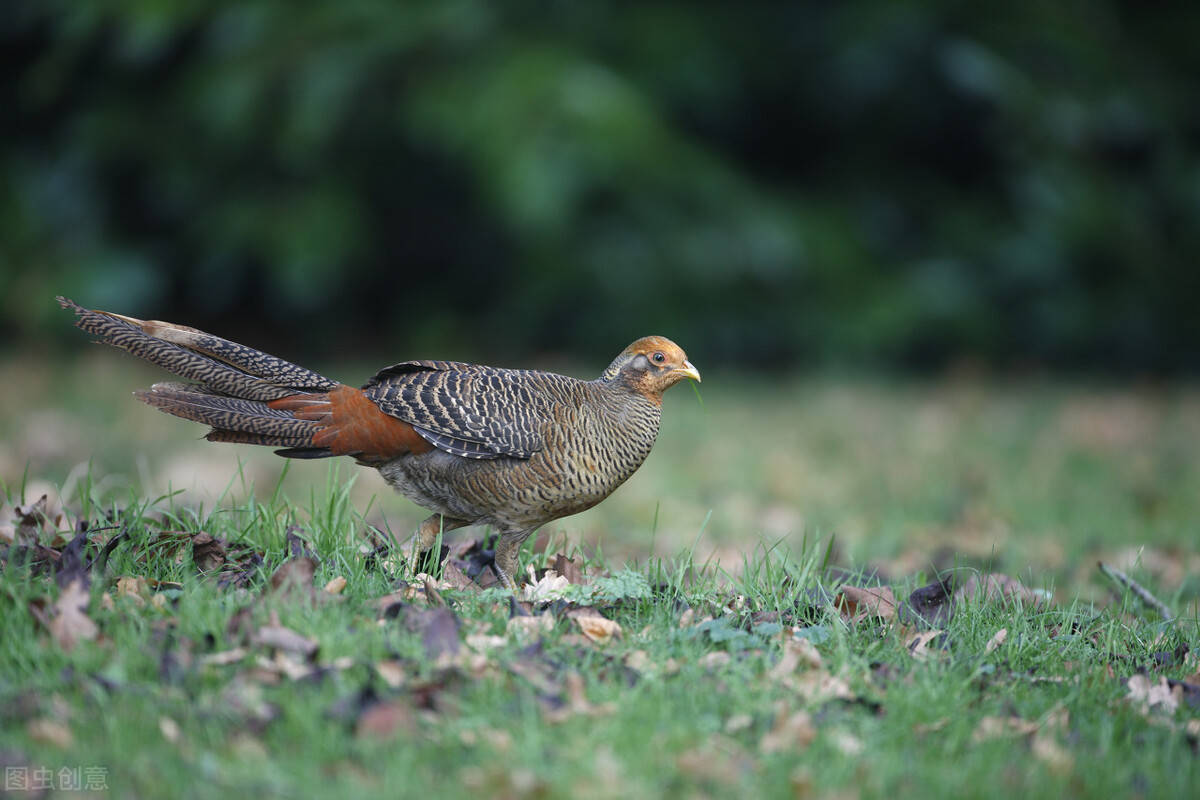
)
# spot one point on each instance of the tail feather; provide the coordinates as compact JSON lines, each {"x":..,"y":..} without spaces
{"x":217,"y":364}
{"x":249,"y":397}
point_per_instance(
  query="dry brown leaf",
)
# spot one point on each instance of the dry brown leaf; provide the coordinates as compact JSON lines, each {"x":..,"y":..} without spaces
{"x":598,"y":629}
{"x":818,"y":686}
{"x":224,"y":657}
{"x":484,"y":642}
{"x":792,"y":730}
{"x":857,"y":603}
{"x":1153,"y":694}
{"x":719,"y":760}
{"x":918,"y":644}
{"x":1052,"y":754}
{"x":50,"y":731}
{"x":1001,"y":727}
{"x":384,"y":720}
{"x":336,"y":585}
{"x":208,"y":553}
{"x":71,"y":624}
{"x":294,"y":579}
{"x":30,"y":519}
{"x":133,"y":588}
{"x":996,"y":640}
{"x":281,"y":663}
{"x":393,"y":673}
{"x":570,"y":570}
{"x":455,"y":578}
{"x":528,"y":629}
{"x":795,"y":653}
{"x":282,"y":638}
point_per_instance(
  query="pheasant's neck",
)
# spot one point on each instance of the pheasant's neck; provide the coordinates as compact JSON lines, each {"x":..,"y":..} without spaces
{"x":634,"y":421}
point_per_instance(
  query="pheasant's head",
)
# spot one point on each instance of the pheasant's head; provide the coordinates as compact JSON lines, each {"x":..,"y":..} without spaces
{"x":651,"y":365}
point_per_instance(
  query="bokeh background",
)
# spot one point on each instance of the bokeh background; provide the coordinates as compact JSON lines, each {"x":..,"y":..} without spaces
{"x":965,"y":200}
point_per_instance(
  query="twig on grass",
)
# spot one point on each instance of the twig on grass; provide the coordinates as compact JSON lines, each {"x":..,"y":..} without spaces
{"x":1139,"y":591}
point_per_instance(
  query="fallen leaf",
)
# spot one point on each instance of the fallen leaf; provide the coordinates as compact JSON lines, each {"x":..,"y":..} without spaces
{"x":819,"y":686}
{"x":282,"y":638}
{"x":1001,"y":727}
{"x":718,"y":761}
{"x":336,"y":585}
{"x":996,"y":640}
{"x":455,"y":578}
{"x":795,"y":653}
{"x":70,"y":623}
{"x":392,"y":672}
{"x":50,"y":731}
{"x":918,"y":644}
{"x":639,"y":660}
{"x":527,"y":629}
{"x":224,"y":657}
{"x":133,"y":588}
{"x":859,"y":603}
{"x":599,"y":629}
{"x":30,"y":519}
{"x":567,"y":568}
{"x":484,"y":642}
{"x":1052,"y":754}
{"x":208,"y":553}
{"x":294,"y":579}
{"x":846,"y":743}
{"x":1156,"y":694}
{"x":738,"y":722}
{"x":390,"y":605}
{"x":385,"y":720}
{"x":169,"y":728}
{"x":550,"y":587}
{"x":438,"y":626}
{"x":792,"y":730}
{"x":282,"y":663}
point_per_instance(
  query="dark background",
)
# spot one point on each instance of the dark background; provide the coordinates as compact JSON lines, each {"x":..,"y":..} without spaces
{"x":898,"y":185}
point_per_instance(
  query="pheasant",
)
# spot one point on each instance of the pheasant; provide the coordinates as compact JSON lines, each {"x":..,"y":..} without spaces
{"x":476,"y":445}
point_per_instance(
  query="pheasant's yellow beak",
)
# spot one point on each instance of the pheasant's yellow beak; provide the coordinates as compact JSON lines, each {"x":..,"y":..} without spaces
{"x":688,"y":371}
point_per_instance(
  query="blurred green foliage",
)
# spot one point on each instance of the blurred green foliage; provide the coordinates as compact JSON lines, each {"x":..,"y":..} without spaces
{"x":768,"y":183}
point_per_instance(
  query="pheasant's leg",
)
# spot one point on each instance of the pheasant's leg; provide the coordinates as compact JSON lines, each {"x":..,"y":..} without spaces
{"x":507,"y":546}
{"x":427,"y":533}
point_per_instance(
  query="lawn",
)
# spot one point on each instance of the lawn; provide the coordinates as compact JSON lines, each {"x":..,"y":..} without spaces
{"x":739,"y":619}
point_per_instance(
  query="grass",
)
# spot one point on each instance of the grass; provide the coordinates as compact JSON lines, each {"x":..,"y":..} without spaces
{"x":721,"y":546}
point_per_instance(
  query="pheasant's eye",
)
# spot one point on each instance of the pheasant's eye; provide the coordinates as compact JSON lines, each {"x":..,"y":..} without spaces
{"x":658,"y":358}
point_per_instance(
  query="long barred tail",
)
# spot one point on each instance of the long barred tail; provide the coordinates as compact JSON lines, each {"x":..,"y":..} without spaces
{"x":232,"y":384}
